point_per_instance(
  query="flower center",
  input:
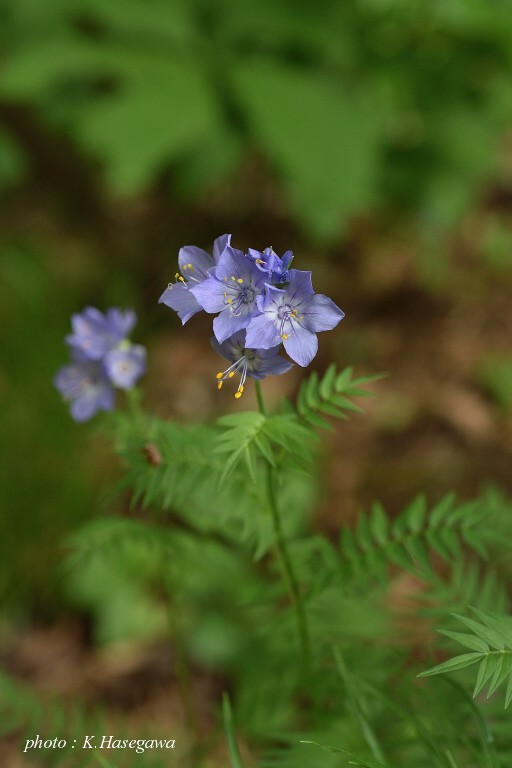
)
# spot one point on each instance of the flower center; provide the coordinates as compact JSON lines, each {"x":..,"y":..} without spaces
{"x":286,"y":315}
{"x":245,"y":295}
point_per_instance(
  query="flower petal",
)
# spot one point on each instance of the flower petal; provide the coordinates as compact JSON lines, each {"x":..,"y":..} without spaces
{"x":301,"y":345}
{"x":226,"y":324}
{"x":121,"y":322}
{"x":234,"y":263}
{"x":200,"y":260}
{"x":273,"y":366}
{"x":178,"y":297}
{"x":231,"y":348}
{"x":219,"y":245}
{"x":300,"y":286}
{"x":319,"y":313}
{"x":210,"y":294}
{"x":262,"y":333}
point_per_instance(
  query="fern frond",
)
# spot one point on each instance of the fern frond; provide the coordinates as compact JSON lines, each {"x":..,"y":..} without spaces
{"x":184,"y":481}
{"x":468,"y":583}
{"x":329,"y":395}
{"x":490,"y":643}
{"x":187,"y":463}
{"x":250,"y":436}
{"x":24,"y":713}
{"x":407,"y":540}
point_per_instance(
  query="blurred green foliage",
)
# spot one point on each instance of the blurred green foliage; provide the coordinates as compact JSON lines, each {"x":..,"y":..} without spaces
{"x":354,"y":104}
{"x":352,"y":107}
{"x":495,"y":374}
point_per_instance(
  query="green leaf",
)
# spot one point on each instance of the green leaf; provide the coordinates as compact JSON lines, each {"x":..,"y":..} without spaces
{"x":324,"y":140}
{"x":330,"y":395}
{"x":489,"y":635}
{"x":441,"y":510}
{"x":361,"y":762}
{"x":379,"y":524}
{"x":503,"y":670}
{"x":485,"y":671}
{"x":328,"y":381}
{"x":418,"y":553}
{"x":415,"y":514}
{"x":318,"y":421}
{"x":508,"y":695}
{"x":238,"y":440}
{"x":164,"y":110}
{"x":459,"y":662}
{"x":468,"y":641}
{"x":234,"y":752}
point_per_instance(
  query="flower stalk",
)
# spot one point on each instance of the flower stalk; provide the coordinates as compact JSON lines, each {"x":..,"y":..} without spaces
{"x":284,"y":556}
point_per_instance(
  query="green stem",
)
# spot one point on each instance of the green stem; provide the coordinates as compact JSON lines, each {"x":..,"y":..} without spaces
{"x":234,"y":752}
{"x":284,"y":555}
{"x":133,"y":397}
{"x":180,"y":660}
{"x":259,"y":395}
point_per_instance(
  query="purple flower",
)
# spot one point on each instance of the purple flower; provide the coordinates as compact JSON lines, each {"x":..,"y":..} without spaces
{"x":293,"y":315}
{"x":232,"y":290}
{"x":102,"y":359}
{"x":94,"y":333}
{"x":195,"y":266}
{"x":255,"y":363}
{"x":269,"y":262}
{"x":85,"y":385}
{"x":125,"y":365}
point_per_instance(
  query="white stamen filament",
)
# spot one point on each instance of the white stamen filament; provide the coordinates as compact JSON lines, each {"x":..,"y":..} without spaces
{"x":239,"y":365}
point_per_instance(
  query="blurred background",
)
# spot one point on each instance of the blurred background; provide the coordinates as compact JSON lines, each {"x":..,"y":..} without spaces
{"x":371,"y":137}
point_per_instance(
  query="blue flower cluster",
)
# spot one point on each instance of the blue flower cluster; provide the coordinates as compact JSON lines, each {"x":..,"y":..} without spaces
{"x":260,"y":303}
{"x":102,"y":359}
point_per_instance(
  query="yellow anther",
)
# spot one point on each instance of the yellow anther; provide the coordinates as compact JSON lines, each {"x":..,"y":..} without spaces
{"x":176,"y":275}
{"x":233,"y":277}
{"x":284,"y":336}
{"x":191,"y":267}
{"x":259,"y":261}
{"x":231,"y":374}
{"x":220,"y":375}
{"x":219,"y":384}
{"x":230,"y":301}
{"x":182,"y":279}
{"x":238,"y":394}
{"x":239,"y":280}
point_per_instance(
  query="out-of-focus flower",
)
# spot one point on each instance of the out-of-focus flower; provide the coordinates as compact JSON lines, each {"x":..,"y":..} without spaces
{"x":94,"y":333}
{"x":124,"y":366}
{"x":195,"y":266}
{"x":86,"y":387}
{"x":102,"y":359}
{"x":293,"y":316}
{"x":231,"y":291}
{"x":255,"y":363}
